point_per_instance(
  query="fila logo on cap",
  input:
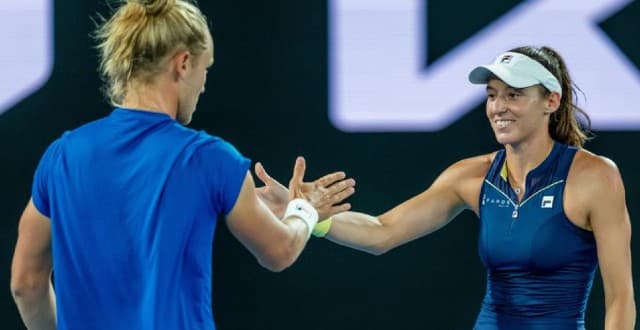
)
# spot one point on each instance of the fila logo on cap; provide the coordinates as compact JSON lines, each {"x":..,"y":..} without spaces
{"x":506,"y":59}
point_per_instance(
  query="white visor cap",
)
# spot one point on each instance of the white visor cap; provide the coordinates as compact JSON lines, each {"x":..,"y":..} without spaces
{"x":516,"y":70}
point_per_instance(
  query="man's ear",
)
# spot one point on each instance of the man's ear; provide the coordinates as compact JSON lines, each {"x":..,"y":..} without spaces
{"x":180,"y":63}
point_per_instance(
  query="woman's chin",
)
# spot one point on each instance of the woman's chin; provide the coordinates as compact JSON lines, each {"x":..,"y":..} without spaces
{"x":505,"y":138}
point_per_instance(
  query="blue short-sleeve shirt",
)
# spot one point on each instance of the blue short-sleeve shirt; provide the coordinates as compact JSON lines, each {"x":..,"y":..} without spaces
{"x":134,"y":200}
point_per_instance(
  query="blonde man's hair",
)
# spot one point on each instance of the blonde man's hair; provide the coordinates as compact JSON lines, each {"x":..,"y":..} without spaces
{"x":140,"y":35}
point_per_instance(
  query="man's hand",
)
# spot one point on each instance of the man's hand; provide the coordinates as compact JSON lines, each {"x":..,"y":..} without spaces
{"x":273,"y":193}
{"x":324,"y":194}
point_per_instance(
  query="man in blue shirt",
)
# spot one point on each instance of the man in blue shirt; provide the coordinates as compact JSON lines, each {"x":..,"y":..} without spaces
{"x":124,"y":208}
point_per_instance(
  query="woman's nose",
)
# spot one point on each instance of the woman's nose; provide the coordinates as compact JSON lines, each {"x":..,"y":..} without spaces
{"x":498,"y":105}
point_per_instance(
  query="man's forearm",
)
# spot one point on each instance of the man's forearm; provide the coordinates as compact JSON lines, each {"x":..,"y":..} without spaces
{"x":37,"y":307}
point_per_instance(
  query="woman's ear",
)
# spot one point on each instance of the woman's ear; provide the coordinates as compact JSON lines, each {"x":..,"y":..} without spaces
{"x":552,"y":103}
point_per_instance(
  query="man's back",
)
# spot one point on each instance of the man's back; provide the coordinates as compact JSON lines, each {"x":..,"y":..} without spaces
{"x":133,"y":200}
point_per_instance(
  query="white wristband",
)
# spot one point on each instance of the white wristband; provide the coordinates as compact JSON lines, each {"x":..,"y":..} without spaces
{"x":300,"y":208}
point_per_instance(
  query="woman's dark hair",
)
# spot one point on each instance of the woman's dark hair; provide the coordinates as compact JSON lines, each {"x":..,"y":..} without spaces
{"x":564,"y":125}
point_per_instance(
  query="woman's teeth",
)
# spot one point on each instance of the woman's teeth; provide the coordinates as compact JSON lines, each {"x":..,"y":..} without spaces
{"x":503,"y":123}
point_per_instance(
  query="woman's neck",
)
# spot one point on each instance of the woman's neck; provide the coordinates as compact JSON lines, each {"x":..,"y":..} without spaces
{"x":525,"y":156}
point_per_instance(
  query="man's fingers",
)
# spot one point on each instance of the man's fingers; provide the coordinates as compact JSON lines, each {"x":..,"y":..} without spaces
{"x":298,"y":171}
{"x":262,"y":174}
{"x":329,"y":179}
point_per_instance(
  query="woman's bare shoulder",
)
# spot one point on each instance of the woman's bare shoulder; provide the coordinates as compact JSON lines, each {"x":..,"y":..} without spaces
{"x":592,"y":174}
{"x":476,"y":166}
{"x":592,"y":167}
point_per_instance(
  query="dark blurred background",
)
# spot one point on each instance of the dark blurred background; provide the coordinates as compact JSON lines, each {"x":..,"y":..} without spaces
{"x":268,"y":95}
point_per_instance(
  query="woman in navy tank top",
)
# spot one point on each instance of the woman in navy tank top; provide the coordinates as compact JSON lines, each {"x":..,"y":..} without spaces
{"x":550,"y":211}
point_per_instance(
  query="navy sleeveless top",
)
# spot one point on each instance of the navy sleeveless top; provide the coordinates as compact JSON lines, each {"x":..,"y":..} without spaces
{"x":540,"y":266}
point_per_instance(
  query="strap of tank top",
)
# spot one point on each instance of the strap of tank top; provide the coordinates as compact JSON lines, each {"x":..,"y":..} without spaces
{"x":564,"y":163}
{"x":496,"y":165}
